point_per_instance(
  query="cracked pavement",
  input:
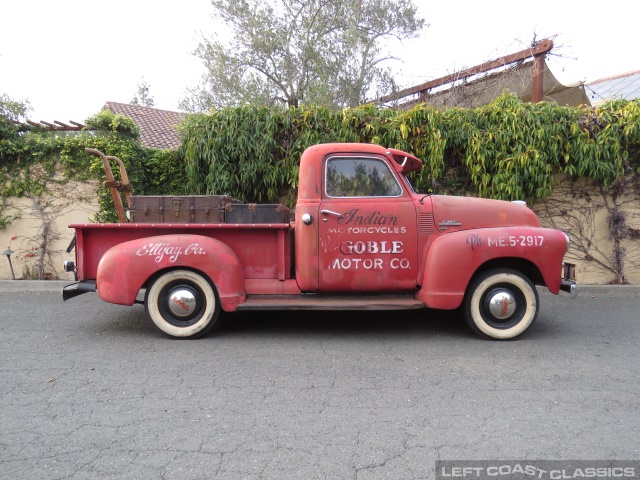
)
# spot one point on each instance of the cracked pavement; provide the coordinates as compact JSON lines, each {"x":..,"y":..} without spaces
{"x":91,"y":390}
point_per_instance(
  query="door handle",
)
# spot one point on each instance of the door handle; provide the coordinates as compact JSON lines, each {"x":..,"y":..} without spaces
{"x":330,"y":212}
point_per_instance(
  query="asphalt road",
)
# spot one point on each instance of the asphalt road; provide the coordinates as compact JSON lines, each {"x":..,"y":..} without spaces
{"x":90,"y":390}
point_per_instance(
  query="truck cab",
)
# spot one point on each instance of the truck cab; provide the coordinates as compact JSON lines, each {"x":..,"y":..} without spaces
{"x":357,"y":229}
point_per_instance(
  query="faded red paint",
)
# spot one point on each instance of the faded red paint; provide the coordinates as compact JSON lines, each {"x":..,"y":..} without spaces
{"x":423,"y":247}
{"x":126,"y":267}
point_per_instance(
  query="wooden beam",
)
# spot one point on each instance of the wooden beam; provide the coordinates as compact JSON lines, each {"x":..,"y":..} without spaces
{"x":56,"y":125}
{"x":539,"y":49}
{"x":537,"y":79}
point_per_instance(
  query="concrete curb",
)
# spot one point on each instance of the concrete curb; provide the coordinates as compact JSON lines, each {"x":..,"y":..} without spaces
{"x":613,"y":291}
{"x":33,"y":285}
{"x":56,"y":286}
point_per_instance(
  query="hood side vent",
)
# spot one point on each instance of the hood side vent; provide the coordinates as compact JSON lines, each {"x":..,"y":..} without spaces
{"x":425,"y":223}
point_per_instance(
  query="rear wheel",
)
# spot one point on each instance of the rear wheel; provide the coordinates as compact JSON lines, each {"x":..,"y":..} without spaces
{"x":182,"y":304}
{"x":501,"y":304}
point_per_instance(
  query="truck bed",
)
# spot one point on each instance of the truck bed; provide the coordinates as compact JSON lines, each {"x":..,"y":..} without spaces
{"x":264,"y":250}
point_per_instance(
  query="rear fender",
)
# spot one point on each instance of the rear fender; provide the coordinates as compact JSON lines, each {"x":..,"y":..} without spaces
{"x":455,"y":257}
{"x":125,"y":268}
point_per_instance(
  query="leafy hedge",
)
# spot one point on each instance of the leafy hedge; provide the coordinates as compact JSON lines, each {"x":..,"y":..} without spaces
{"x":30,"y":158}
{"x":507,"y":149}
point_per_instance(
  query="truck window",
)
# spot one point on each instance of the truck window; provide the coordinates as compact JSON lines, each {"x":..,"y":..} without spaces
{"x":360,"y":177}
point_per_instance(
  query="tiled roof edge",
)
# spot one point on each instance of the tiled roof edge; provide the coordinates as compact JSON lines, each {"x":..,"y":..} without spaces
{"x":613,"y":77}
{"x":130,"y":105}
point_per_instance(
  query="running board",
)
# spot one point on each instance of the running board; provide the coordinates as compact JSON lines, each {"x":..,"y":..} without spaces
{"x":331,"y":302}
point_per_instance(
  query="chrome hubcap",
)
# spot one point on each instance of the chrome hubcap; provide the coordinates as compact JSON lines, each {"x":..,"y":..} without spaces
{"x":502,"y":305}
{"x":182,"y":302}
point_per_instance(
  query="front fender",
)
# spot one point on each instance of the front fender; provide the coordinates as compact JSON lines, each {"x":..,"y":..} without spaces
{"x":126,"y":267}
{"x":454,"y":258}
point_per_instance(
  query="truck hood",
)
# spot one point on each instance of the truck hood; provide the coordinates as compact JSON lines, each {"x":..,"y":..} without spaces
{"x":464,"y":213}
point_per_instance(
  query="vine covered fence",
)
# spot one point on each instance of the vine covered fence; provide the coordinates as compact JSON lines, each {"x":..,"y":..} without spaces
{"x":507,"y":149}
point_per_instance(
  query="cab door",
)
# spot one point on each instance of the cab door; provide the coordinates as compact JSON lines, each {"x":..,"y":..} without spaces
{"x":367,"y":227}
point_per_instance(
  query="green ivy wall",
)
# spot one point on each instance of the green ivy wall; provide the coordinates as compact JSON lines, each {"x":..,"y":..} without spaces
{"x":506,"y":150}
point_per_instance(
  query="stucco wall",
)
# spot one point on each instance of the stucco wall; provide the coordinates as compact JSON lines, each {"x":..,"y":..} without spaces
{"x":71,"y":203}
{"x":591,"y":214}
{"x":580,"y":208}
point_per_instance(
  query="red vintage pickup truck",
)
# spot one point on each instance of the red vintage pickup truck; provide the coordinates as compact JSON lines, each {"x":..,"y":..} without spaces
{"x":361,"y":238}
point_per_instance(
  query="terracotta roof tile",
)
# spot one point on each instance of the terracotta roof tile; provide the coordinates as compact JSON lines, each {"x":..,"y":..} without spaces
{"x":157,"y":127}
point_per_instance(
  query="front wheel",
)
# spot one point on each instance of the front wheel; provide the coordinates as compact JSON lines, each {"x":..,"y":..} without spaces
{"x":182,"y":304}
{"x":501,"y":304}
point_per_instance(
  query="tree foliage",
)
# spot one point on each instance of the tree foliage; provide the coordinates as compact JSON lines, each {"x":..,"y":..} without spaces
{"x":294,"y":52}
{"x":142,"y":97}
{"x":13,"y":109}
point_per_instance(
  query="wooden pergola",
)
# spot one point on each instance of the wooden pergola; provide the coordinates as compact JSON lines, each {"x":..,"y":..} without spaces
{"x":55,"y":126}
{"x":537,"y":51}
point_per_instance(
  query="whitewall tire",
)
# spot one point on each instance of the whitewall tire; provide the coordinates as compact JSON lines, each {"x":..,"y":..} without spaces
{"x":182,"y":304}
{"x":501,"y":304}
